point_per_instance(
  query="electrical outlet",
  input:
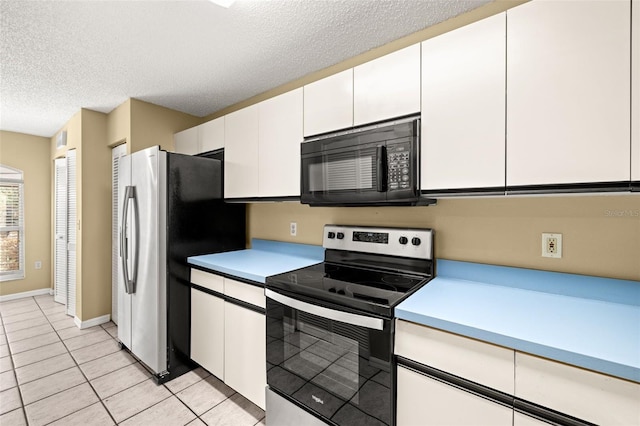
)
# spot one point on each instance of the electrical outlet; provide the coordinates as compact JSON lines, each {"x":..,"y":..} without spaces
{"x":38,"y":264}
{"x":552,"y":245}
{"x":293,"y":229}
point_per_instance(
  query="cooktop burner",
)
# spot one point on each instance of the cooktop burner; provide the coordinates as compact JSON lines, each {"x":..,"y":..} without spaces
{"x":367,"y":289}
{"x":364,"y":269}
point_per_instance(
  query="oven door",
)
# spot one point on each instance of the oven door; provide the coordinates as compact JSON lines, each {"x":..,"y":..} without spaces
{"x":335,"y":364}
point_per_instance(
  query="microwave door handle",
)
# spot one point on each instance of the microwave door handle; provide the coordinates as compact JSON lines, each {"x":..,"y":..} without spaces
{"x":381,"y":168}
{"x":321,"y":311}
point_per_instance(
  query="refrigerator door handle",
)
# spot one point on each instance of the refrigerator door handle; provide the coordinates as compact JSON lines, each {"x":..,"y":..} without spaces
{"x":129,"y":283}
{"x":136,"y":253}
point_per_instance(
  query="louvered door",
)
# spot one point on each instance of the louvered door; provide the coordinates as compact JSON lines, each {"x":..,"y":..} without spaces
{"x":60,"y":246}
{"x":72,"y":220}
{"x":117,"y":152}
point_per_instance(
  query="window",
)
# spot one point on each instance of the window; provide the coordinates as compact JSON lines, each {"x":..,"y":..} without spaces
{"x":11,"y":223}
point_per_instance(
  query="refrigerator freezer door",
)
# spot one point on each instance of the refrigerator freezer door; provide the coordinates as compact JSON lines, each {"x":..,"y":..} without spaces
{"x":124,"y":245}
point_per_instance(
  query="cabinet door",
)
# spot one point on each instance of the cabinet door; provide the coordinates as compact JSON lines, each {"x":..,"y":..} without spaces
{"x":328,"y":104}
{"x":207,"y":332}
{"x":635,"y":95}
{"x":520,"y":419}
{"x":186,"y":141}
{"x":425,"y":401}
{"x":568,"y":88}
{"x":245,"y":348}
{"x":280,"y":138}
{"x":584,"y":394}
{"x":463,"y":107}
{"x":241,"y":153}
{"x":387,"y":87}
{"x":211,"y":135}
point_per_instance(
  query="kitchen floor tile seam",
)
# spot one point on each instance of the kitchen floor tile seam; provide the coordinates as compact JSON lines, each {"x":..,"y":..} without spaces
{"x":234,"y":393}
{"x":52,"y":395}
{"x":192,"y":384}
{"x":13,"y":370}
{"x":186,"y":405}
{"x":100,"y":357}
{"x":88,"y":382}
{"x":5,"y":317}
{"x":157,"y":403}
{"x":48,"y":322}
{"x":48,"y":375}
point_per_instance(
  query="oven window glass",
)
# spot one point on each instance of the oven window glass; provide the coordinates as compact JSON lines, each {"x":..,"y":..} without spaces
{"x":340,"y":371}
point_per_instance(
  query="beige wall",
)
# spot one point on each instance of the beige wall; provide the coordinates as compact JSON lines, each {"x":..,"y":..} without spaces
{"x":94,"y":295}
{"x":155,"y":125}
{"x":119,"y":124}
{"x":601,"y":234}
{"x":31,"y":155}
{"x":88,"y":133}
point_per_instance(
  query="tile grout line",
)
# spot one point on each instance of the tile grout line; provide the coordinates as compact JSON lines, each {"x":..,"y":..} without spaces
{"x":13,"y":369}
{"x":83,"y":375}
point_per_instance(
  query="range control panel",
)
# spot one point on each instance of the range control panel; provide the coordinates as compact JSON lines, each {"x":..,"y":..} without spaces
{"x":403,"y":242}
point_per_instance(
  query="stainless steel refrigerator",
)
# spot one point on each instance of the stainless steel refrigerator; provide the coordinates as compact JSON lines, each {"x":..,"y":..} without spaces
{"x":171,"y":207}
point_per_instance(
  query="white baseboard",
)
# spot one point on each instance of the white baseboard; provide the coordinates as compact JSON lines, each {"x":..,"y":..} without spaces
{"x":92,"y":322}
{"x":22,"y":295}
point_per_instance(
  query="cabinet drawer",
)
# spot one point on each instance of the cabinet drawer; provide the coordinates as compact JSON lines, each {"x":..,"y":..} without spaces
{"x":483,"y":363}
{"x":207,"y":280}
{"x":585,"y":394}
{"x":245,"y":292}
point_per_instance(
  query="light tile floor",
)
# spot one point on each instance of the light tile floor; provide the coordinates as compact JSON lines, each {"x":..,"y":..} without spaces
{"x":51,"y":372}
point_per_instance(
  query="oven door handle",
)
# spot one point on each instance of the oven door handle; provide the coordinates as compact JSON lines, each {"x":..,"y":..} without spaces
{"x":321,"y":311}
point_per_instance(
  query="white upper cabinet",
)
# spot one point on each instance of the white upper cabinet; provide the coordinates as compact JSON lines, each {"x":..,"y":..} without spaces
{"x":463,"y":107}
{"x":568,"y":92}
{"x":387,"y":87}
{"x":203,"y":138}
{"x":262,"y":148}
{"x":635,"y":95}
{"x":186,"y":141}
{"x":241,"y":156}
{"x":211,"y":136}
{"x":280,"y":137}
{"x":328,"y":104}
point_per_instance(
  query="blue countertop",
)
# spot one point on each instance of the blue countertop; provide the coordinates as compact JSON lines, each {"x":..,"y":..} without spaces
{"x":585,"y":321}
{"x":263,"y":259}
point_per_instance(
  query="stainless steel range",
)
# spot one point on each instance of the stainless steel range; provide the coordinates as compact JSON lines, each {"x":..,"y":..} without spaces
{"x":330,"y":327}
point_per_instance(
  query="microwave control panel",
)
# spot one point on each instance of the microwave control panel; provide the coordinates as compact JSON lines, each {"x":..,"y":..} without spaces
{"x":399,"y":166}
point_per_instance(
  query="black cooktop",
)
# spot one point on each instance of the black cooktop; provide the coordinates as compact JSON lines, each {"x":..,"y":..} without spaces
{"x":369,"y":290}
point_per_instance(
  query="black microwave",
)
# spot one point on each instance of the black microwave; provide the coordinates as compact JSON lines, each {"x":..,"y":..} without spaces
{"x":371,"y":165}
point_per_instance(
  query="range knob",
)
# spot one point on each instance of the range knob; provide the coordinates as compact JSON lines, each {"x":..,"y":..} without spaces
{"x":340,"y":235}
{"x":415,"y":241}
{"x":403,"y":240}
{"x":331,"y":235}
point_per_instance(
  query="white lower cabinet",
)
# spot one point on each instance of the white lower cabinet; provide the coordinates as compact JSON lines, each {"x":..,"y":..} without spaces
{"x":207,"y":332}
{"x":227,"y":339}
{"x":520,"y":419}
{"x":584,"y":394}
{"x":245,"y":348}
{"x":425,"y":401}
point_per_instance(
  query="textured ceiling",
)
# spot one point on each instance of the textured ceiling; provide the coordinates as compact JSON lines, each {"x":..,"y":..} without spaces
{"x":192,"y":56}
